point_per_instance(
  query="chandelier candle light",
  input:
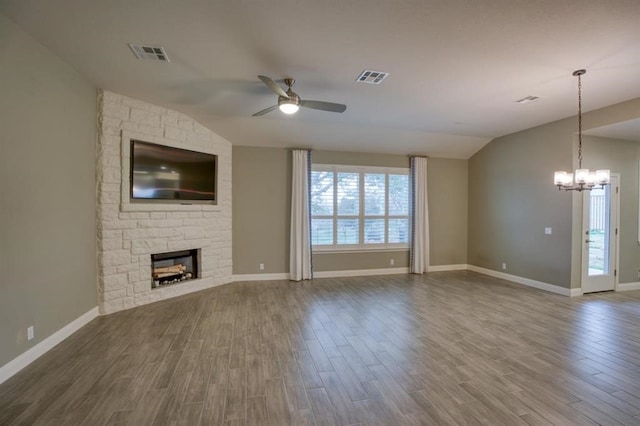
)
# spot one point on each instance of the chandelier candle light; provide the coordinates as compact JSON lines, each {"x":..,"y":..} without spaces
{"x":585,"y":180}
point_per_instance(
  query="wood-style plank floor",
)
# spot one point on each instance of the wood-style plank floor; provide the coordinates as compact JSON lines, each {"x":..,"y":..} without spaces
{"x":444,"y":348}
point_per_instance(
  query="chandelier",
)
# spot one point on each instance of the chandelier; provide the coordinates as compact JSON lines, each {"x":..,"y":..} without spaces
{"x":585,"y":180}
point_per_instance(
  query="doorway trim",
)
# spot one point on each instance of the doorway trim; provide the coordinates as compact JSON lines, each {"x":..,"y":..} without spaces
{"x":615,"y":198}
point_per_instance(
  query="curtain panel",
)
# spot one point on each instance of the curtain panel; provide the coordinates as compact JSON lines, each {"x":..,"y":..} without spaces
{"x":300,"y":267}
{"x":419,"y":254}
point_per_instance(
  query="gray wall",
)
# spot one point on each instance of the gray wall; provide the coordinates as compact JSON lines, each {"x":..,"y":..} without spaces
{"x":620,"y":157}
{"x":47,"y":166}
{"x":261,"y":211}
{"x":261,"y":194}
{"x":448,"y":197}
{"x":512,"y":200}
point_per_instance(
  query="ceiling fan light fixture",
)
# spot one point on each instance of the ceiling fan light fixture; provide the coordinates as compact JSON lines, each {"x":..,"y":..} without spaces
{"x":288,"y":107}
{"x":289,"y":102}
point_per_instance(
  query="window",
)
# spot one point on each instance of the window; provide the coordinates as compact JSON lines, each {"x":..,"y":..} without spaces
{"x":355,"y":208}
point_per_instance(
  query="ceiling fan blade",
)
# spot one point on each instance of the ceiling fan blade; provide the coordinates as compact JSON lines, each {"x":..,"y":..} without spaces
{"x":264,"y":111}
{"x":324,"y":106}
{"x":273,"y":86}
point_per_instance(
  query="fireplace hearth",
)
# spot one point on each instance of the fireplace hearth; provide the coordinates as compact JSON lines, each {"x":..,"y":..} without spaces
{"x":174,"y":267}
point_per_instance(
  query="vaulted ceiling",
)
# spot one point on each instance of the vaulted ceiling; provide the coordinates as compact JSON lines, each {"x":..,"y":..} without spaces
{"x":455,"y":68}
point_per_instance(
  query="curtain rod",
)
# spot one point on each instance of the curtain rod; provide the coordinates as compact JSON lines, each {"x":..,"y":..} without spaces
{"x":418,"y":156}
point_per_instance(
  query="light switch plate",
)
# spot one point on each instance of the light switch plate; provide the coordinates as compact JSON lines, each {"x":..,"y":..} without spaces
{"x":547,"y":231}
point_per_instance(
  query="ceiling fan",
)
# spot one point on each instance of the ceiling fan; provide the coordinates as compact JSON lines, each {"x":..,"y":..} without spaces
{"x":289,"y":102}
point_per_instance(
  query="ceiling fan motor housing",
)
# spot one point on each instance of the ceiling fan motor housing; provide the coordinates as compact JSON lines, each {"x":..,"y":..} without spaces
{"x":293,"y":98}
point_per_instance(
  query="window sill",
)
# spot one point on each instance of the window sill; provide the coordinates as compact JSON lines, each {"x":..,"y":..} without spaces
{"x":357,"y":250}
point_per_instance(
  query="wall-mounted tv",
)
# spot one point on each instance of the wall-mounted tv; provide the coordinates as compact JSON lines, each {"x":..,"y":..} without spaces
{"x":165,"y":174}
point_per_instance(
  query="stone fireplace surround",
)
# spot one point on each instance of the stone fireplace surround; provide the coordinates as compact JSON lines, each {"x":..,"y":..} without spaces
{"x":128,"y":233}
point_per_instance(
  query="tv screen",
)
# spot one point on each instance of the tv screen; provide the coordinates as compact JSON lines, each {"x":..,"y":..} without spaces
{"x":164,"y":173}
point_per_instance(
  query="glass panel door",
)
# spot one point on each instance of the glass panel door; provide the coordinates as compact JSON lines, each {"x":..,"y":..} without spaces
{"x":599,"y":222}
{"x":597,"y":233}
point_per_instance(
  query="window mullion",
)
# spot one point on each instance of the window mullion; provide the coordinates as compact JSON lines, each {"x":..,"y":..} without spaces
{"x":361,"y":208}
{"x":335,"y":208}
{"x":386,"y":208}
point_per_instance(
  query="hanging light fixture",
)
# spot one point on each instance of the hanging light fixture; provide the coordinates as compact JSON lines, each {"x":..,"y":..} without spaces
{"x":290,"y":104}
{"x":585,"y":180}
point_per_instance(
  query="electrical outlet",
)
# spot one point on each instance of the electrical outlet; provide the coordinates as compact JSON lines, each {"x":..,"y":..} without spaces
{"x":392,"y":261}
{"x":547,"y":230}
{"x":30,"y":333}
{"x":262,"y":266}
{"x":504,"y":266}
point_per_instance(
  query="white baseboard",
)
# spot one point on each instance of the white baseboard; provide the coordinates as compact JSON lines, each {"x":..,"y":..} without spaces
{"x":442,"y":268}
{"x":575,"y":292}
{"x":360,"y":272}
{"x":26,"y":358}
{"x":348,"y":273}
{"x":571,"y":292}
{"x":628,"y":286}
{"x":260,"y":277}
{"x":322,"y":274}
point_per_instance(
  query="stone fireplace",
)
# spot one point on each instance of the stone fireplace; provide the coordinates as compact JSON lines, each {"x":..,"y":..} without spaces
{"x":130,"y":234}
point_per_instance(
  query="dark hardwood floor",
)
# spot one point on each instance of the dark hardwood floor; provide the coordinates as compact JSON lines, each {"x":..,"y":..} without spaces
{"x":444,"y":348}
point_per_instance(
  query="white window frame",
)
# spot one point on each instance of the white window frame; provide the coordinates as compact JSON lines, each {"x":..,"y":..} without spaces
{"x":361,"y":170}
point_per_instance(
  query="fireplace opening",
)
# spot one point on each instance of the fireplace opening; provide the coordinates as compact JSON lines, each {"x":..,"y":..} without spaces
{"x":174,"y":267}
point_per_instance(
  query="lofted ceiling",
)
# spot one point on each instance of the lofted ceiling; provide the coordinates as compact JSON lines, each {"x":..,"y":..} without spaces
{"x":625,"y":130}
{"x":456,"y":67}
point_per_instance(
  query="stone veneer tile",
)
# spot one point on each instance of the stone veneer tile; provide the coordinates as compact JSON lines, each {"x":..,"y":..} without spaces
{"x":126,"y":239}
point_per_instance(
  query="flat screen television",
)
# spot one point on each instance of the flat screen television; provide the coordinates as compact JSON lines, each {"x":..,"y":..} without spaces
{"x":165,"y":174}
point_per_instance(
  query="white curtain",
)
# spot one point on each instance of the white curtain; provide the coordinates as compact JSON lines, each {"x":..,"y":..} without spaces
{"x":419,"y":217}
{"x":300,"y":267}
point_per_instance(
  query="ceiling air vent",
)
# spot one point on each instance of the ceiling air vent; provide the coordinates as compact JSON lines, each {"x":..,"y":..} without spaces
{"x":372,"y":77}
{"x":149,"y":52}
{"x":527,"y":100}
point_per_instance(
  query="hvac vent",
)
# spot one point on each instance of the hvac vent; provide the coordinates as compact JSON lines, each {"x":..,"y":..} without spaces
{"x":372,"y":77}
{"x":149,"y":52}
{"x":527,"y":99}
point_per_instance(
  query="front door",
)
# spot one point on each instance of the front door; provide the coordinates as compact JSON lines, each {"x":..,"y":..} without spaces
{"x":599,"y":242}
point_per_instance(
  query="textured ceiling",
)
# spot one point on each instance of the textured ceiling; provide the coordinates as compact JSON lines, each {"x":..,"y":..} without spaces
{"x":456,"y":67}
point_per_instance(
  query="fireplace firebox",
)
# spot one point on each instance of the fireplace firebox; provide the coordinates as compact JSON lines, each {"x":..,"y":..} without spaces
{"x":174,"y":267}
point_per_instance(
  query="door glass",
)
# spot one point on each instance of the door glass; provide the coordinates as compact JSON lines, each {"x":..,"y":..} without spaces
{"x":598,"y":232}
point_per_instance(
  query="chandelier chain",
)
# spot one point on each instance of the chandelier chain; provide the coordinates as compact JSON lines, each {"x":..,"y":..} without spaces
{"x":579,"y":121}
{"x":585,"y":180}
